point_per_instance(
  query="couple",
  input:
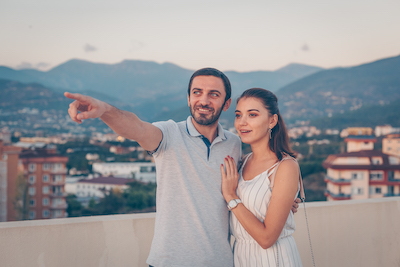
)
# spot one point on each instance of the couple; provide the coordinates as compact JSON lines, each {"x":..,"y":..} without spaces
{"x":192,"y":220}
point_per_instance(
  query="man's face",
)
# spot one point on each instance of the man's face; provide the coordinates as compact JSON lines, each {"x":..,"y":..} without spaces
{"x":206,"y":100}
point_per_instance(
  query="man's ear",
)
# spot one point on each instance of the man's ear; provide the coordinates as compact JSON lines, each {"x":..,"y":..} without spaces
{"x":227,"y":104}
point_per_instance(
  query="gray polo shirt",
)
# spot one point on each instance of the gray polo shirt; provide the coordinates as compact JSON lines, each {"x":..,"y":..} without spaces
{"x":192,"y":220}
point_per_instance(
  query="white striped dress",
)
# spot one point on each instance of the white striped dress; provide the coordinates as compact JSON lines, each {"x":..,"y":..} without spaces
{"x":255,"y":195}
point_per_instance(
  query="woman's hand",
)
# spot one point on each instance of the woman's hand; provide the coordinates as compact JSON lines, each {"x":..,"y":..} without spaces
{"x":230,"y":178}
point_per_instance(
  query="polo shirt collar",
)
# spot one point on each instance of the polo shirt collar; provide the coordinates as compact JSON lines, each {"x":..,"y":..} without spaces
{"x":193,"y":131}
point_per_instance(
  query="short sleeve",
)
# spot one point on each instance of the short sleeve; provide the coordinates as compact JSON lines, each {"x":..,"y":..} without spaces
{"x":166,"y":128}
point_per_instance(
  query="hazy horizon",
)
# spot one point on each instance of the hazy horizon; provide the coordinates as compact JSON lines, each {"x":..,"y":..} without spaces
{"x":229,"y":35}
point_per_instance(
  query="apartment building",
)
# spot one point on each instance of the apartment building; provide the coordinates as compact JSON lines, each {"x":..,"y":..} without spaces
{"x":391,"y":144}
{"x":9,"y":157}
{"x":45,"y":172}
{"x":362,"y":172}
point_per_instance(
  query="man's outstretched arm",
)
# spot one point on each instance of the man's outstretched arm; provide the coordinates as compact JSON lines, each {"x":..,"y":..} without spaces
{"x":122,"y":122}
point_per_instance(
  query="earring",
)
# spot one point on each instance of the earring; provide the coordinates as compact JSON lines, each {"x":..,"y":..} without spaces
{"x":270,"y":133}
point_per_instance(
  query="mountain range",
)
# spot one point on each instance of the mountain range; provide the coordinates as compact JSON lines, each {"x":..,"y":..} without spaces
{"x":341,"y":90}
{"x":149,"y":88}
{"x":158,"y":91}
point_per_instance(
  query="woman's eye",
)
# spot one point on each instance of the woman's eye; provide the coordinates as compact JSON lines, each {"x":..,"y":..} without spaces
{"x":237,"y":115}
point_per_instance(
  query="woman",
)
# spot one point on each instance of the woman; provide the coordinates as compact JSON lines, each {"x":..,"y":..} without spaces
{"x":261,"y":195}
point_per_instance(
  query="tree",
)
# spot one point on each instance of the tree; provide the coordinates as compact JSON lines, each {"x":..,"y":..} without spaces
{"x":74,"y":208}
{"x":21,"y":202}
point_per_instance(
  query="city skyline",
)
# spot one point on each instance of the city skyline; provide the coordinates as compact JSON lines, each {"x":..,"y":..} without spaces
{"x":232,"y":35}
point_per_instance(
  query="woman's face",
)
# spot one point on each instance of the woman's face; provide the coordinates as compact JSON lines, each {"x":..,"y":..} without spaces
{"x":252,"y":120}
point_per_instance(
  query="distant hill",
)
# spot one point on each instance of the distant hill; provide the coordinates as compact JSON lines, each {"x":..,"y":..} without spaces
{"x":363,"y":95}
{"x":15,"y":96}
{"x":151,"y":89}
{"x":367,"y":116}
{"x":342,"y":89}
{"x":299,"y":70}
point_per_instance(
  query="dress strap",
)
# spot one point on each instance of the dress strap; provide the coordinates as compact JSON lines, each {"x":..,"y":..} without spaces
{"x":302,"y":194}
{"x":243,"y":161}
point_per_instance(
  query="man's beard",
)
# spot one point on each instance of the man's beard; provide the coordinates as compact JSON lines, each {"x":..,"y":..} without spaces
{"x":201,"y":119}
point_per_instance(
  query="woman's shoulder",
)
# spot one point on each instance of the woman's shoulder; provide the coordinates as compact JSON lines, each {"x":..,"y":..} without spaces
{"x":286,"y":157}
{"x":288,"y":162}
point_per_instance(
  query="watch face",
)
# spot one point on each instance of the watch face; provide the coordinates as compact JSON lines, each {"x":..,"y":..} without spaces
{"x":232,"y":203}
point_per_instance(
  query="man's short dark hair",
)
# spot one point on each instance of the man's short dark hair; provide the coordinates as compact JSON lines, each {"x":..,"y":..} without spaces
{"x":215,"y":73}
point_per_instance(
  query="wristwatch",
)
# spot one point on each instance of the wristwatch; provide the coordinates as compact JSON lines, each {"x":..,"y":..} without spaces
{"x":233,"y":203}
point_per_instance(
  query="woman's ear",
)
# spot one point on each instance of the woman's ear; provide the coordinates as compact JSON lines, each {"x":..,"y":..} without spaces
{"x":273,"y":121}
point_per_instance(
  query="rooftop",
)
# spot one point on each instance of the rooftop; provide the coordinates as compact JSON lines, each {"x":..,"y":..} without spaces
{"x":386,"y":164}
{"x":343,"y":233}
{"x":361,"y":138}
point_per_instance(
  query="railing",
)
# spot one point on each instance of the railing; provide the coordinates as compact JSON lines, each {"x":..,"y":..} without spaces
{"x":343,"y":233}
{"x":339,"y":181}
{"x":58,"y":171}
{"x":391,"y":195}
{"x":57,"y":183}
{"x":340,"y":195}
{"x":58,"y":194}
{"x":61,"y":206}
{"x":394,"y":179}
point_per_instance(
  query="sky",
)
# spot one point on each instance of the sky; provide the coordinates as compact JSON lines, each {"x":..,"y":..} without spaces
{"x":228,"y":35}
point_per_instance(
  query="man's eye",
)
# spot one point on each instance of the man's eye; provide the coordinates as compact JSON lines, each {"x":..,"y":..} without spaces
{"x":214,"y":94}
{"x":196,"y":92}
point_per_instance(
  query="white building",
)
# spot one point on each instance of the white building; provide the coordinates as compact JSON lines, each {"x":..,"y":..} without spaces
{"x":142,"y":171}
{"x":94,"y":188}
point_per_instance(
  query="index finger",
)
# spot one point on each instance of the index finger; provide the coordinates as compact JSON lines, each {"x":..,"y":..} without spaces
{"x":76,"y":96}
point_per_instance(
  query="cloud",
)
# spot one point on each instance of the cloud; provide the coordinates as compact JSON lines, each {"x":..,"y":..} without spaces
{"x":38,"y":66}
{"x":89,"y":48}
{"x":136,"y":45}
{"x":42,"y":65}
{"x":305,"y":48}
{"x":24,"y":65}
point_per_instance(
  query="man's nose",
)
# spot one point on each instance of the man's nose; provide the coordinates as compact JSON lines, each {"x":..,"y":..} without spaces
{"x":204,"y":99}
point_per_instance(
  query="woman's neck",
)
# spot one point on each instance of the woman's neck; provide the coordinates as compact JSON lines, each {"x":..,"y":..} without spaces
{"x":262,"y":152}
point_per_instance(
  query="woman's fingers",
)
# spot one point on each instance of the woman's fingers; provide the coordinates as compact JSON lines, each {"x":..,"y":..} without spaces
{"x":223,"y":173}
{"x":231,"y":169}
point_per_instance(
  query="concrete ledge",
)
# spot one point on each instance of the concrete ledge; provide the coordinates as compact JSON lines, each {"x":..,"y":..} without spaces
{"x":114,"y":240}
{"x":350,"y":232}
{"x":343,"y":233}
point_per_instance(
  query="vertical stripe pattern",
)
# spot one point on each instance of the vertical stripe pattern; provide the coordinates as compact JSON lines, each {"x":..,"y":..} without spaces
{"x":256,"y":195}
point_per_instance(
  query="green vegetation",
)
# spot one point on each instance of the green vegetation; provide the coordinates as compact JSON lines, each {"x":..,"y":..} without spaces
{"x":21,"y":201}
{"x":77,"y":150}
{"x":139,"y":197}
{"x":310,"y":161}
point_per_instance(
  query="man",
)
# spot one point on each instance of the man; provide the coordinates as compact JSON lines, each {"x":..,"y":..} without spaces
{"x":192,"y":221}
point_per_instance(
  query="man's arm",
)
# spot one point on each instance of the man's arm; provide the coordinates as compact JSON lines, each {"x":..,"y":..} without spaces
{"x":122,"y":122}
